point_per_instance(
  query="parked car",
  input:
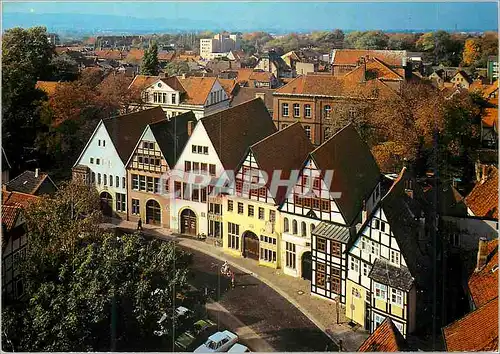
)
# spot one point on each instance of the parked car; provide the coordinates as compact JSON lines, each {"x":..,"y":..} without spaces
{"x":238,"y":348}
{"x":186,"y":340}
{"x":218,"y":342}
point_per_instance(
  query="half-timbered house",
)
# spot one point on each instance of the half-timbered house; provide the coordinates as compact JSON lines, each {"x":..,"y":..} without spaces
{"x":321,"y":223}
{"x":251,"y":215}
{"x":218,"y":143}
{"x":102,"y":161}
{"x":156,"y":151}
{"x":389,"y":261}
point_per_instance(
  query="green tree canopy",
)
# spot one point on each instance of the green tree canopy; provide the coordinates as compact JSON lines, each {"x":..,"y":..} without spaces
{"x":175,"y":68}
{"x":88,"y":290}
{"x":150,"y":64}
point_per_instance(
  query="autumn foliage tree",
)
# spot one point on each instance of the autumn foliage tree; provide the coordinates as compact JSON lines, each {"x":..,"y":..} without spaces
{"x":472,"y":52}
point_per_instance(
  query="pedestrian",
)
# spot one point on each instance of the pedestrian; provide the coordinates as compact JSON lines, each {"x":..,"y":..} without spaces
{"x":232,"y":279}
{"x":139,"y":225}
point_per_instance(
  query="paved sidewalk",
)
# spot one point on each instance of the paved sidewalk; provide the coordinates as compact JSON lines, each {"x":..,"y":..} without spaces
{"x":296,"y":290}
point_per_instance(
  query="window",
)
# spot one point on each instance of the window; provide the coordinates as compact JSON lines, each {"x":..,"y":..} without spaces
{"x":156,"y":185}
{"x":111,"y":180}
{"x":99,"y":178}
{"x":352,"y":113}
{"x":312,"y":228}
{"x":240,"y":208}
{"x":203,"y":167}
{"x":250,"y":210}
{"x":193,"y":149}
{"x":378,"y":320}
{"x":303,"y":229}
{"x":381,"y":291}
{"x":335,"y":248}
{"x":135,"y":207}
{"x":164,"y":97}
{"x":105,"y":176}
{"x":296,"y":110}
{"x":120,"y":202}
{"x":307,"y":110}
{"x":327,"y":133}
{"x":98,"y":161}
{"x":229,"y":205}
{"x":98,"y":142}
{"x":173,"y":98}
{"x":455,"y":240}
{"x":354,"y":264}
{"x":290,"y":255}
{"x":272,"y":216}
{"x":382,"y":226}
{"x":395,"y":257}
{"x":321,"y":244}
{"x":205,"y":150}
{"x":211,"y":169}
{"x":135,"y":182}
{"x":261,"y":213}
{"x":142,"y":183}
{"x":307,"y":129}
{"x":366,"y":269}
{"x":178,"y":189}
{"x":196,"y":167}
{"x":93,"y":177}
{"x":187,"y":166}
{"x":335,"y":281}
{"x":320,"y":275}
{"x":376,"y":224}
{"x":123,"y":182}
{"x":268,"y":255}
{"x":328,"y":110}
{"x":397,"y":297}
{"x":286,"y":225}
{"x":91,"y":160}
{"x":294,"y":227}
{"x":233,"y":231}
{"x":203,"y":197}
{"x":117,"y":182}
{"x":200,"y":149}
{"x":284,"y":109}
{"x":155,"y":97}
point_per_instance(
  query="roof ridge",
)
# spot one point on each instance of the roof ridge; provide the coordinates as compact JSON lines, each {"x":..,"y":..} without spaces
{"x":330,"y":138}
{"x":131,"y":113}
{"x":275,"y":133}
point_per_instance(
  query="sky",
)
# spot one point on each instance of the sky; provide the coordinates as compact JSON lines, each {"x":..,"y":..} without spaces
{"x":257,"y":15}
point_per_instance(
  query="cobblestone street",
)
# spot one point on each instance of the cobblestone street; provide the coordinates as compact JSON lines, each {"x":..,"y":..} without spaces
{"x":295,"y":290}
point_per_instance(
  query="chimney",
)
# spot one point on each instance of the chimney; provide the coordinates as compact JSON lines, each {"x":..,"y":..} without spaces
{"x":36,"y":172}
{"x":183,"y":75}
{"x":190,"y":127}
{"x":484,"y":173}
{"x":364,"y":213}
{"x":481,"y":254}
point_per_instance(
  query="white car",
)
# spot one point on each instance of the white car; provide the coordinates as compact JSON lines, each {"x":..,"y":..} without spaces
{"x":218,"y":342}
{"x":238,"y":348}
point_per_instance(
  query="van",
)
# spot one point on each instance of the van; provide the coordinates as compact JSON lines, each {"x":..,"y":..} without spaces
{"x":238,"y":348}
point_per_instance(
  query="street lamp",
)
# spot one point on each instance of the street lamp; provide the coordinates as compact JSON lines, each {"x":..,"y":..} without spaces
{"x":337,"y":299}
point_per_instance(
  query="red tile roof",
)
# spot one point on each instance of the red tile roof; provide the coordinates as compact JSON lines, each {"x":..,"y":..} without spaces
{"x":483,"y":199}
{"x":378,"y":69}
{"x":386,"y":338}
{"x":351,"y":56}
{"x":140,"y":82}
{"x":135,"y":55}
{"x":109,"y":54}
{"x":490,"y":118}
{"x":477,"y":331}
{"x":9,"y":216}
{"x":334,"y":86}
{"x":483,"y":284}
{"x":197,"y":89}
{"x":18,"y":199}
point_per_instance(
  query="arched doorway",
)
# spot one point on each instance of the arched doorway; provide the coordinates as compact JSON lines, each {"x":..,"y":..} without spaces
{"x":251,"y":245}
{"x":106,"y":204}
{"x":188,"y":222}
{"x":306,"y":262}
{"x":153,"y":212}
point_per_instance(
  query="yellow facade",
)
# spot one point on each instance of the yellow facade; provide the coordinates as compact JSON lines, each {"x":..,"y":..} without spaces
{"x":263,"y":228}
{"x":355,"y":302}
{"x":397,"y":311}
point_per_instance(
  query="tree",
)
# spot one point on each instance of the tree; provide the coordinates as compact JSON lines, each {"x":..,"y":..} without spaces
{"x":367,"y":40}
{"x":175,"y":68}
{"x":64,"y":68}
{"x":150,"y":64}
{"x":88,"y":290}
{"x":471,"y":52}
{"x":426,"y":42}
{"x":115,"y":97}
{"x":26,"y":54}
{"x":401,"y":41}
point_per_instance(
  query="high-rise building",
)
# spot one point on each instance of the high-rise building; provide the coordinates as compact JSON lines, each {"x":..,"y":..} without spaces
{"x":218,"y":45}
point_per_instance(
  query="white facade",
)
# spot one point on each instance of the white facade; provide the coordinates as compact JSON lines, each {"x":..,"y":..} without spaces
{"x":169,"y":100}
{"x":220,"y":43}
{"x":199,"y":138}
{"x":107,"y":171}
